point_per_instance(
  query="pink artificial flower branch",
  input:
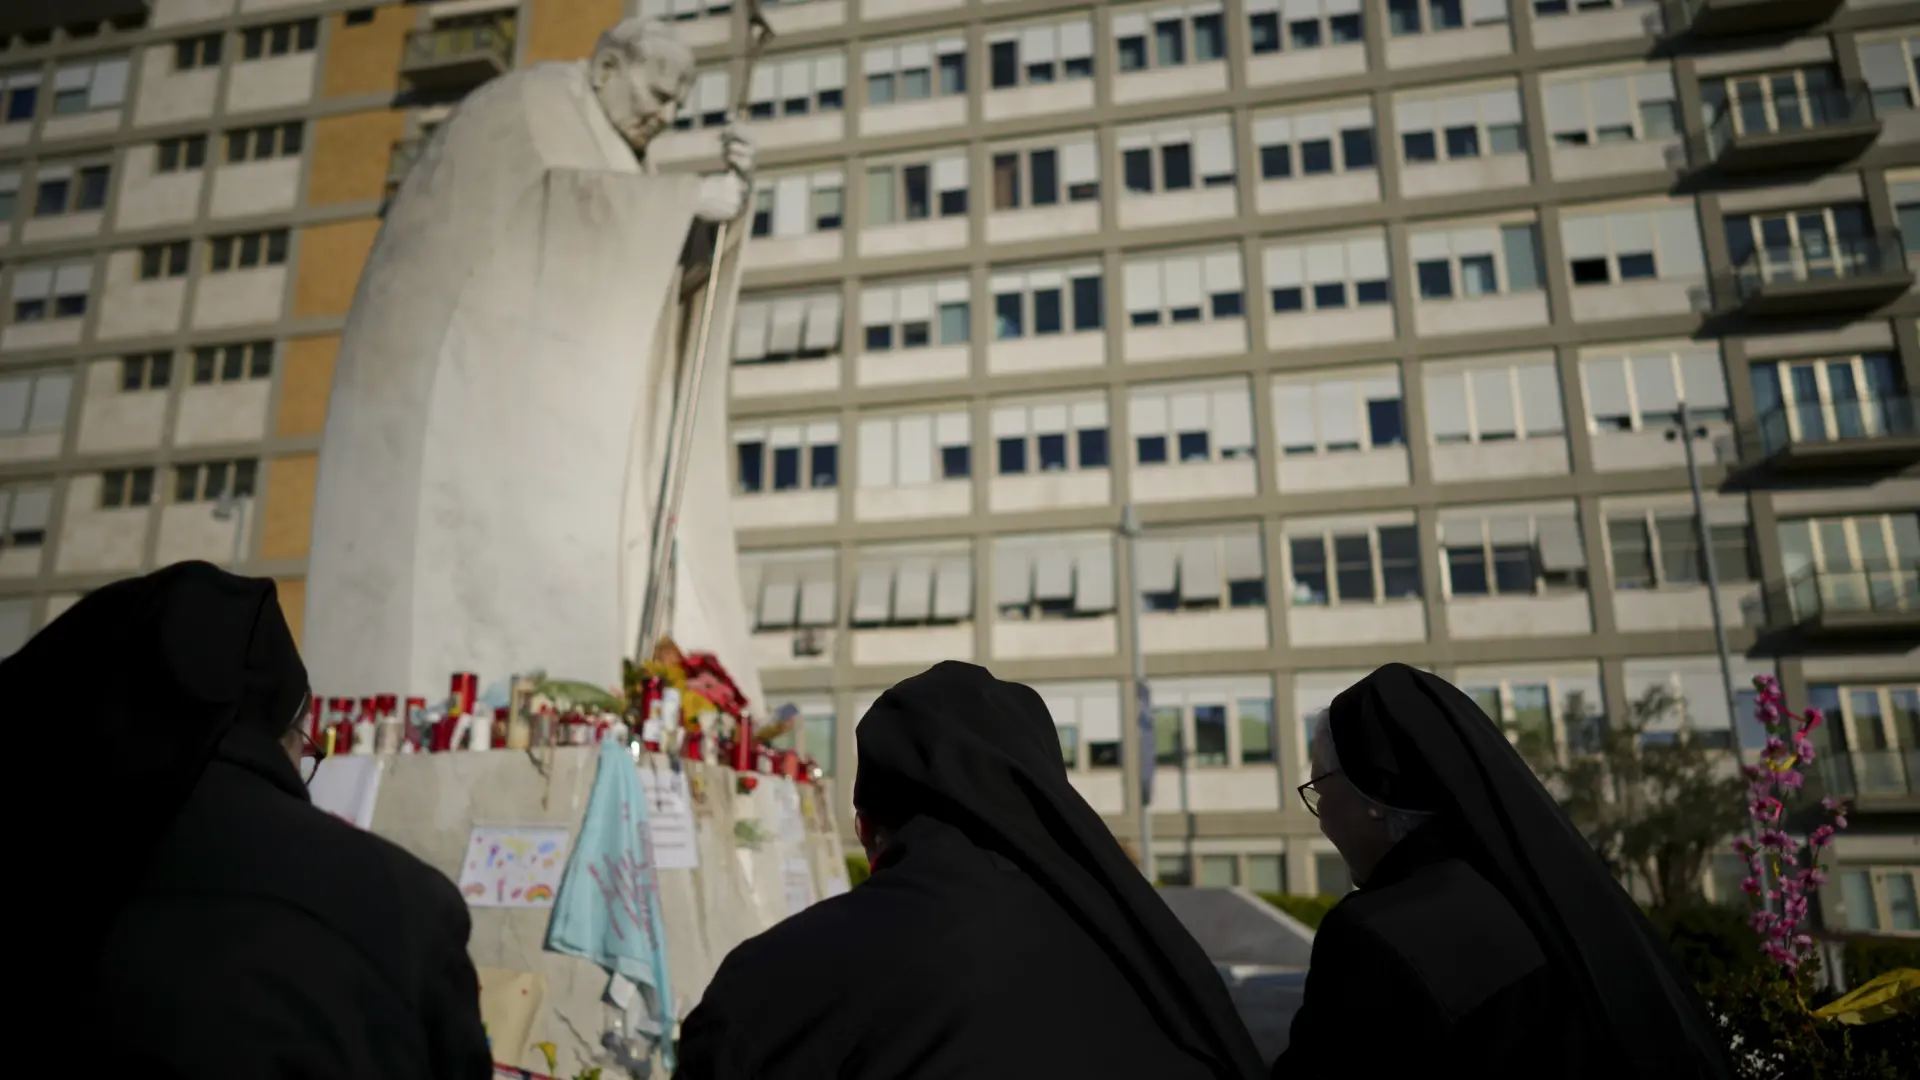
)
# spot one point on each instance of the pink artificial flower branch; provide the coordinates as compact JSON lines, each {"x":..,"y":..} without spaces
{"x":1770,"y":851}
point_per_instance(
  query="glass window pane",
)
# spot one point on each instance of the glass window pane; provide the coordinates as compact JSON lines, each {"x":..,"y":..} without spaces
{"x":1166,"y":736}
{"x":1219,"y":871}
{"x":1256,"y":731}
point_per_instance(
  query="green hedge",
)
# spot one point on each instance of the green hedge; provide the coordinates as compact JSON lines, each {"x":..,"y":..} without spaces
{"x":1308,"y":909}
{"x":1711,"y":941}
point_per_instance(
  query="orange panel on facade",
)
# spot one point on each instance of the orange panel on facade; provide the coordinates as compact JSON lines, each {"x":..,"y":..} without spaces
{"x":350,"y":156}
{"x":287,"y":528}
{"x":567,"y":29}
{"x":365,"y":59}
{"x":293,"y":603}
{"x":331,"y":258}
{"x":306,"y":380}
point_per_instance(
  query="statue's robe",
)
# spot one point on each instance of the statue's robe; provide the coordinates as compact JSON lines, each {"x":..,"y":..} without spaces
{"x":498,"y":426}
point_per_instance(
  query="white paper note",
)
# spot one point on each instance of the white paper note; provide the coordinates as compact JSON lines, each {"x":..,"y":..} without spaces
{"x":670,"y":818}
{"x":347,"y":787}
{"x":797,"y":877}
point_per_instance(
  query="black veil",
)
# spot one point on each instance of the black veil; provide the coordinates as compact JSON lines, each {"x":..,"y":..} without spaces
{"x":982,"y":755}
{"x":134,"y":687}
{"x":1412,"y":739}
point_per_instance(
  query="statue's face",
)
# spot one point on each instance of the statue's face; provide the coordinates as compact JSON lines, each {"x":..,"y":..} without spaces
{"x":641,"y":97}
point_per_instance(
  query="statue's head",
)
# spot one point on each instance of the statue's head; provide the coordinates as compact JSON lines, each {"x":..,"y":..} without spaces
{"x":641,"y":72}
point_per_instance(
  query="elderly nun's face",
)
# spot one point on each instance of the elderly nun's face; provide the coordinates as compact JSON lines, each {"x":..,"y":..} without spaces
{"x":1355,"y":824}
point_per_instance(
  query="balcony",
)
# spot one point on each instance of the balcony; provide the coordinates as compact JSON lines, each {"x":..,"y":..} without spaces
{"x":1819,"y":276}
{"x":1731,"y":18}
{"x":1879,"y":435}
{"x":454,"y":58}
{"x":1816,"y":127}
{"x":1884,"y":779}
{"x":400,"y":161}
{"x":1862,"y":607}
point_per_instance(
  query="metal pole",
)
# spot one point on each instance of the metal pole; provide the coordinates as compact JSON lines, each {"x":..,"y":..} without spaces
{"x":673,"y":480}
{"x":243,"y":507}
{"x":1130,"y":529}
{"x":1713,"y":583}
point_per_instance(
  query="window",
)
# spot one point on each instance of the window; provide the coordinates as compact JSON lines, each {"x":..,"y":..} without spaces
{"x":918,"y":585}
{"x":23,"y":516}
{"x":1169,"y":37}
{"x":1461,"y":126}
{"x":1512,"y":551}
{"x":1353,"y":565}
{"x":708,"y":104}
{"x":1210,"y":571}
{"x":1880,"y":899}
{"x":1040,"y":55}
{"x":915,"y":71}
{"x":789,"y":206}
{"x":686,"y":11}
{"x":51,"y":291}
{"x":262,"y":143}
{"x":1772,"y":102}
{"x":126,"y":488}
{"x":90,"y":85}
{"x":1046,"y":176}
{"x":19,"y":96}
{"x":1493,"y":403}
{"x":1598,"y":109}
{"x":1053,"y":576}
{"x":1300,"y":27}
{"x":1905,"y":194}
{"x":167,"y":260}
{"x":69,"y":189}
{"x":245,"y":251}
{"x":1642,"y":392}
{"x":917,"y":315}
{"x":915,"y":450}
{"x":1191,"y":423}
{"x":1050,"y":436}
{"x":1880,"y":551}
{"x":210,"y":481}
{"x":176,"y":155}
{"x":1479,"y":260}
{"x":9,"y":195}
{"x":1330,"y":415}
{"x":1315,"y":144}
{"x":897,"y":194}
{"x":236,"y":362}
{"x":32,"y":404}
{"x":281,"y":39}
{"x":1405,"y":17}
{"x":1632,"y":245}
{"x":146,"y":371}
{"x":791,"y":590}
{"x":787,"y":457}
{"x":1179,"y":156}
{"x":1209,"y":720}
{"x":1188,"y":288}
{"x":1819,"y":400}
{"x":1801,"y":245}
{"x":784,"y":328}
{"x":192,"y":53}
{"x":1892,"y":71}
{"x":1660,"y":547}
{"x":1331,"y":275}
{"x":1045,"y":301}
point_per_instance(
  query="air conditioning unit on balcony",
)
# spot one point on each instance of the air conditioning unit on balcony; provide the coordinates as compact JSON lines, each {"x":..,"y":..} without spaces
{"x":809,"y":642}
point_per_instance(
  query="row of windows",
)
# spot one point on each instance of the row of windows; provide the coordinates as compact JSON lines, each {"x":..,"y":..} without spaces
{"x":256,"y":43}
{"x":205,"y":481}
{"x":240,"y":251}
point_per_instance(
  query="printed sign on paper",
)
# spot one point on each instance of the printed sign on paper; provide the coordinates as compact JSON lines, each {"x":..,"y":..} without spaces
{"x":676,"y":846}
{"x":514,"y":866}
{"x":796,"y":875}
{"x":789,"y":827}
{"x":347,"y":786}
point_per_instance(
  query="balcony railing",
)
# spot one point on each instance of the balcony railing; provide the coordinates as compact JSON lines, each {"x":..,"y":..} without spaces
{"x":458,"y":57}
{"x":1815,"y":126}
{"x":1725,"y":18}
{"x":1870,"y":773}
{"x":1880,"y":603}
{"x":1815,"y":275}
{"x":1875,"y":433}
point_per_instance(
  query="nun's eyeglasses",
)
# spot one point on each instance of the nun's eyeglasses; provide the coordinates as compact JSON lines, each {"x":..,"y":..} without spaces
{"x":311,"y":755}
{"x":1310,"y":795}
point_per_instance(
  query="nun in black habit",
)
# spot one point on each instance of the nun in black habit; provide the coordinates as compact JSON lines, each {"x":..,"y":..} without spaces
{"x":224,"y":927}
{"x":1003,"y":933}
{"x":1486,"y":938}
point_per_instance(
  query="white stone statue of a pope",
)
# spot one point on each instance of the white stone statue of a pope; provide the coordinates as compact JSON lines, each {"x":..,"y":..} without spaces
{"x":498,"y":425}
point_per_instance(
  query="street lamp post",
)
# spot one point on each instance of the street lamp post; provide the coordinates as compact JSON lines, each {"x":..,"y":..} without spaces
{"x":1130,"y":530}
{"x":231,"y":507}
{"x":1685,"y":433}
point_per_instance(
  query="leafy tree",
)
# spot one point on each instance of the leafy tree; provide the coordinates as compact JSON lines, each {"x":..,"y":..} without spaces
{"x":1656,"y":804}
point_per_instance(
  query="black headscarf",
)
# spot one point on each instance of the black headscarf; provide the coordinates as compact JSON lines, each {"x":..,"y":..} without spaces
{"x":982,"y":755}
{"x":138,"y":683}
{"x":1412,"y":739}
